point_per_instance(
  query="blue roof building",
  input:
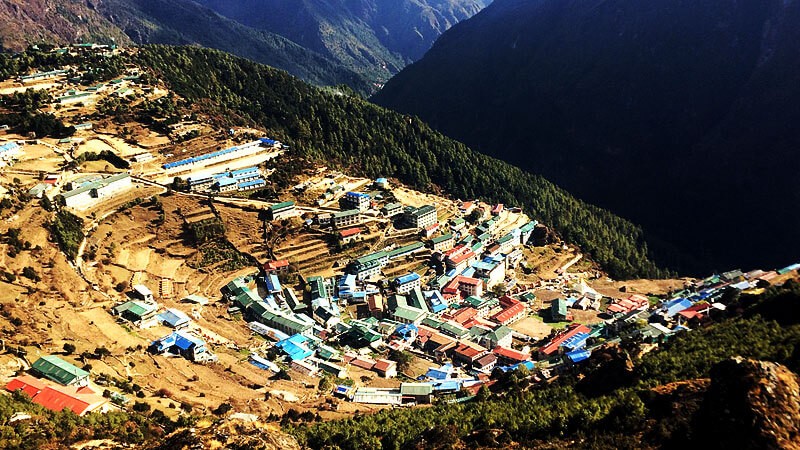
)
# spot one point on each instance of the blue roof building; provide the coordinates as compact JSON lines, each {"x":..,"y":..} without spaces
{"x":180,"y":343}
{"x":673,"y":307}
{"x":407,"y":331}
{"x":436,"y":301}
{"x":577,"y":356}
{"x":295,"y":347}
{"x":442,"y":373}
{"x":575,"y":342}
{"x":174,"y":318}
{"x":253,"y":184}
{"x":527,"y":364}
{"x":273,"y":284}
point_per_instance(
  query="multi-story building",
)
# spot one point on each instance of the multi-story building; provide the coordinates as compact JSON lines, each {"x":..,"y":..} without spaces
{"x":421,"y":217}
{"x":368,"y":266}
{"x":407,"y":283}
{"x":392,"y":209}
{"x":346,"y":218}
{"x":355,"y":200}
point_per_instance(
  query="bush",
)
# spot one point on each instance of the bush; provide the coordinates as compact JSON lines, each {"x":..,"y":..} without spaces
{"x":69,"y":348}
{"x":222,"y":409}
{"x":141,"y":407}
{"x":30,"y":273}
{"x":68,"y":231}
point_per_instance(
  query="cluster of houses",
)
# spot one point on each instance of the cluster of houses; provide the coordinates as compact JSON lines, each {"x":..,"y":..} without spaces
{"x":339,"y":323}
{"x":143,"y":311}
{"x":450,"y":317}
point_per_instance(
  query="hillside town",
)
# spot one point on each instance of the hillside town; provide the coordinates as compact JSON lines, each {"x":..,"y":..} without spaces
{"x":393,"y":296}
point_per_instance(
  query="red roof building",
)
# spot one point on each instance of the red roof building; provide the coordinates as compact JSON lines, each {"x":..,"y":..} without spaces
{"x":486,"y":362}
{"x":697,"y":311}
{"x":280,"y":265}
{"x":464,"y":315}
{"x":80,"y":400}
{"x":554,"y":344}
{"x":510,"y":356}
{"x":507,"y":300}
{"x":363,"y":362}
{"x":52,"y":178}
{"x":510,"y":314}
{"x":350,"y":232}
{"x":498,"y":208}
{"x":28,"y":384}
{"x":632,"y":303}
{"x":385,"y":368}
{"x":459,"y":257}
{"x":465,"y":286}
{"x":467,"y":354}
{"x":430,"y":230}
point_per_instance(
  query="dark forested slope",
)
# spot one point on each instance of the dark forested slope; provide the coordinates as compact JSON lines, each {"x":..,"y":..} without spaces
{"x":678,"y":115}
{"x":371,"y":140}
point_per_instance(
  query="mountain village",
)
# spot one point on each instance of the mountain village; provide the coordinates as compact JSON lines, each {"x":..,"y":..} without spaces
{"x":345,"y":291}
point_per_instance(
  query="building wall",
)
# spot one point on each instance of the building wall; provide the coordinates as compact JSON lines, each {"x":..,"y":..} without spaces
{"x":86,"y":200}
{"x":345,"y":221}
{"x":426,"y":220}
{"x":408,"y":287}
{"x":283,"y":214}
{"x":443,"y":246}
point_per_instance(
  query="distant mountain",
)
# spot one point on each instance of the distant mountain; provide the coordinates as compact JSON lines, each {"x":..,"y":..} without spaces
{"x":164,"y":22}
{"x":374,"y":37}
{"x":681,"y":116}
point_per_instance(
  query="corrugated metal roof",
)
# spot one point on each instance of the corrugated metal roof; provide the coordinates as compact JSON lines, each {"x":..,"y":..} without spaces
{"x":58,"y":370}
{"x":416,"y":389}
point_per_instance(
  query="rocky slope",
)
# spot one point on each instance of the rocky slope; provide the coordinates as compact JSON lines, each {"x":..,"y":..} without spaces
{"x":751,"y":404}
{"x":32,"y":21}
{"x":232,"y":434}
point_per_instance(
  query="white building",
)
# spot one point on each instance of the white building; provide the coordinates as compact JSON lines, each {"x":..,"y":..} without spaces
{"x":421,"y":217}
{"x":8,"y":152}
{"x":143,"y":292}
{"x":355,"y":200}
{"x":378,"y":396}
{"x":91,"y":194}
{"x":346,"y":218}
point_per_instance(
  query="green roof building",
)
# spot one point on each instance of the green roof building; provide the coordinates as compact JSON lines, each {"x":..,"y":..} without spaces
{"x":56,"y":369}
{"x":405,"y":314}
{"x":135,"y":311}
{"x":281,"y":210}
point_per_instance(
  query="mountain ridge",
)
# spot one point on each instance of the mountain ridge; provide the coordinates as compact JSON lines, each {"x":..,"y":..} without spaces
{"x":374,"y":37}
{"x":165,"y":22}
